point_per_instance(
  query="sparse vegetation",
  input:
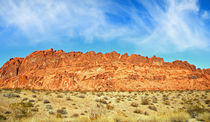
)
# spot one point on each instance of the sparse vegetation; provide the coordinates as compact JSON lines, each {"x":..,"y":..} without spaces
{"x":22,"y":109}
{"x":105,"y":106}
{"x":11,"y":95}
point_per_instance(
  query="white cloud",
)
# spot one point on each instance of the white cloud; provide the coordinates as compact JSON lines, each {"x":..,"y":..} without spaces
{"x":173,"y":24}
{"x":205,"y":15}
{"x":177,"y":25}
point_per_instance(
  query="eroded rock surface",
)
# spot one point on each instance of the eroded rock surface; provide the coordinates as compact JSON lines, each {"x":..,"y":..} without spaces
{"x":77,"y":71}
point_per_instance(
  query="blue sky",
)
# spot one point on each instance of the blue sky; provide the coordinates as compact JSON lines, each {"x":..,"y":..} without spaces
{"x":172,"y":29}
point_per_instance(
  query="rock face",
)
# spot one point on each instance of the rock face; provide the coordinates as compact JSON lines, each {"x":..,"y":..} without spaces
{"x":77,"y":71}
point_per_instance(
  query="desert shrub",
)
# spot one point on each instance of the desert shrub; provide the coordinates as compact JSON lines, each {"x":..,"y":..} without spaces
{"x":154,"y":99}
{"x":68,"y":99}
{"x":51,"y":112}
{"x":146,"y":113}
{"x":47,"y":93}
{"x":33,"y":91}
{"x":194,"y":108}
{"x":75,"y":115}
{"x":109,"y":107}
{"x":18,"y":91}
{"x":152,"y":108}
{"x":205,"y":117}
{"x":204,"y":97}
{"x":24,"y":99}
{"x":61,"y":111}
{"x":26,"y":104}
{"x":59,"y":96}
{"x":99,"y":106}
{"x":35,"y":109}
{"x":46,"y":101}
{"x":101,"y":101}
{"x":178,"y":95}
{"x":22,"y":109}
{"x":165,"y":98}
{"x":118,"y":100}
{"x":96,"y":112}
{"x":39,"y":99}
{"x":11,"y":95}
{"x":146,"y":94}
{"x":75,"y":94}
{"x":31,"y":101}
{"x":145,"y":101}
{"x":166,"y":102}
{"x":105,"y":98}
{"x":138,"y":111}
{"x":134,"y":104}
{"x":7,"y":112}
{"x":81,"y":96}
{"x":2,"y":117}
{"x":93,"y":116}
{"x":207,"y":101}
{"x":59,"y":115}
{"x":48,"y":106}
{"x":99,"y":94}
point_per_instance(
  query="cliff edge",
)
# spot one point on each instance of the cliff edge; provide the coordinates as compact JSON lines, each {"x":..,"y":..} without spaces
{"x":77,"y":71}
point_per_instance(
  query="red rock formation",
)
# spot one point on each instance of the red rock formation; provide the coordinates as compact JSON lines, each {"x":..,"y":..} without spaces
{"x":57,"y":70}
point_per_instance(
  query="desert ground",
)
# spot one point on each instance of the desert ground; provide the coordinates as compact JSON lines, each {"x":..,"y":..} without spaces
{"x":147,"y":106}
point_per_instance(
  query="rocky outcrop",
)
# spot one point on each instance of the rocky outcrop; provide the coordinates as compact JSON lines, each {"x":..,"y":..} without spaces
{"x":77,"y":71}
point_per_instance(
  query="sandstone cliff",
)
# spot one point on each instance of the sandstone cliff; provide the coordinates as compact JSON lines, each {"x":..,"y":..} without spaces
{"x":77,"y":71}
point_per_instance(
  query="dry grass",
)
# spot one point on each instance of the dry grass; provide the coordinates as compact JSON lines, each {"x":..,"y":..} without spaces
{"x":157,"y":106}
{"x":179,"y":116}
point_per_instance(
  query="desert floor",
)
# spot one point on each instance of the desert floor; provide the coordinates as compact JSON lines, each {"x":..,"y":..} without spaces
{"x":151,"y":106}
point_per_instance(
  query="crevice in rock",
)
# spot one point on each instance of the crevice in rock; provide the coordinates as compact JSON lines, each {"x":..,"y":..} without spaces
{"x":17,"y":71}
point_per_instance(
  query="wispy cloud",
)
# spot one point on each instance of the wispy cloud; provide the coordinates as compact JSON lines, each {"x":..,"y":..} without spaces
{"x":176,"y":25}
{"x":169,"y":25}
{"x":205,"y":15}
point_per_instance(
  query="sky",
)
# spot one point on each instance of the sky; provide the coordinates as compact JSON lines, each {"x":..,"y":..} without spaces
{"x":171,"y":29}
